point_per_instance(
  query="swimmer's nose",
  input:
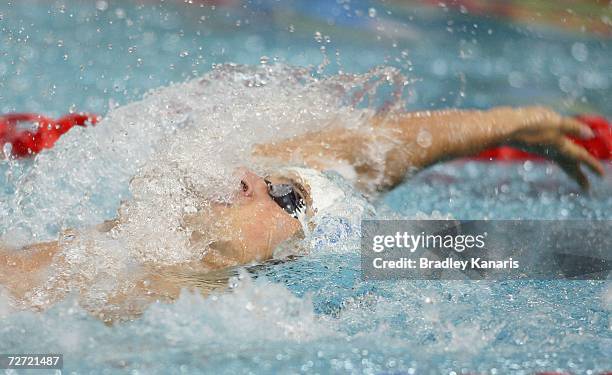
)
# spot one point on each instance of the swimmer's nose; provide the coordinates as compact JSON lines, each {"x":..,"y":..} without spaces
{"x":251,"y":184}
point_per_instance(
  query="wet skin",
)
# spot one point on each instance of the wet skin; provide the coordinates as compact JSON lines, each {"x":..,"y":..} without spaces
{"x":253,"y":225}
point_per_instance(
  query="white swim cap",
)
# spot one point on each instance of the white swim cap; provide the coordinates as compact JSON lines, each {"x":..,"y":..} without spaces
{"x":324,"y":193}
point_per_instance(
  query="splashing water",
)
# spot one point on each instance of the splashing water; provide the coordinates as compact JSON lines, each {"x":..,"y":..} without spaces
{"x":175,"y":151}
{"x":183,"y":140}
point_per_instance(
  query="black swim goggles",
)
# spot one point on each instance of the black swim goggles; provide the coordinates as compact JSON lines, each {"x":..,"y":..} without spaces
{"x":286,"y":196}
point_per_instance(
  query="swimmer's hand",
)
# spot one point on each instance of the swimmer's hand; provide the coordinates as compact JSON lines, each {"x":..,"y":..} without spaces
{"x":544,"y":132}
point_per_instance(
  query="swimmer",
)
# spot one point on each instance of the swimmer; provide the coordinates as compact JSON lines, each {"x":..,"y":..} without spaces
{"x":268,"y":211}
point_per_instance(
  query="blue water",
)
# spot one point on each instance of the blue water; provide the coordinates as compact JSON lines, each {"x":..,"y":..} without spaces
{"x":315,"y":314}
{"x":68,"y":54}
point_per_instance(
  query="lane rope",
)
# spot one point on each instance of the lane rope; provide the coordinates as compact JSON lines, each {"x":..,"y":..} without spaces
{"x":42,"y":132}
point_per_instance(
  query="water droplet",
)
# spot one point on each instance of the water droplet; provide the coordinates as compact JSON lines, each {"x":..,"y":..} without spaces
{"x":580,"y":52}
{"x":7,"y":149}
{"x":372,"y":12}
{"x":566,"y":84}
{"x":424,"y":138}
{"x":120,"y":13}
{"x":516,"y":79}
{"x":101,"y":5}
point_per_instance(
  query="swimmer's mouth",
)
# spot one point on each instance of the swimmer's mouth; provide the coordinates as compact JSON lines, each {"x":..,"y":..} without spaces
{"x":287,"y":197}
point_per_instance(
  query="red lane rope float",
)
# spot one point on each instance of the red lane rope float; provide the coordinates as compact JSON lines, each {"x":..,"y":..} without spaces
{"x":599,"y":146}
{"x":28,"y":142}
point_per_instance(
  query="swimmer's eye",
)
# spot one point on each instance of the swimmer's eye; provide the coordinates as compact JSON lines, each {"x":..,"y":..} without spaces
{"x":287,"y":197}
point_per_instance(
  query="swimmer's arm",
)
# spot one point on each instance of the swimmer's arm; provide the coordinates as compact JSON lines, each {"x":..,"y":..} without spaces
{"x":426,"y":138}
{"x":395,"y":145}
{"x":23,"y":269}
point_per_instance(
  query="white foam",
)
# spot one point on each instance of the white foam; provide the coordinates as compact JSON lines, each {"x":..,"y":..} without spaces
{"x":166,"y":155}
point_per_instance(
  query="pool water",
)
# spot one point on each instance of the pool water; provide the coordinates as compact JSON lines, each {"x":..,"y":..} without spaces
{"x":313,"y":314}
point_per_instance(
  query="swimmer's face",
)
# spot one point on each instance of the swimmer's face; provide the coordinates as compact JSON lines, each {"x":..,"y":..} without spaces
{"x":253,"y":225}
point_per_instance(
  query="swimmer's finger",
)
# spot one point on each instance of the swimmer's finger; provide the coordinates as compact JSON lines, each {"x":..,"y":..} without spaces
{"x":572,"y":169}
{"x":578,"y":153}
{"x":571,"y":126}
